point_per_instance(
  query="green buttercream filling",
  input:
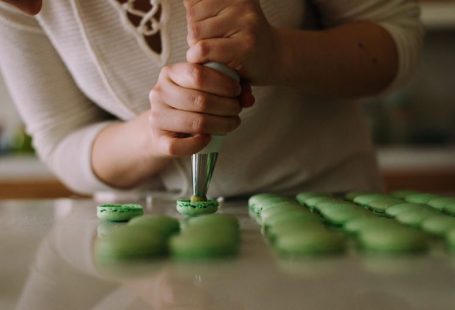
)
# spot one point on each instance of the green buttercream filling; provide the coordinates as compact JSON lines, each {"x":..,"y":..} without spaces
{"x":185,"y":203}
{"x":195,"y":198}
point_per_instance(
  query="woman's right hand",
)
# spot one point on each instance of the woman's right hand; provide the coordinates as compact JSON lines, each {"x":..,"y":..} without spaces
{"x":189,"y":103}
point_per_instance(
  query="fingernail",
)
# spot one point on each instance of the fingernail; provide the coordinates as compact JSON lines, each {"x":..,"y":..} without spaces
{"x":250,"y":101}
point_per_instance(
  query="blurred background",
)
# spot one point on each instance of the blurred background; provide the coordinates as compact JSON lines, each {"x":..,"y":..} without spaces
{"x":413,"y":128}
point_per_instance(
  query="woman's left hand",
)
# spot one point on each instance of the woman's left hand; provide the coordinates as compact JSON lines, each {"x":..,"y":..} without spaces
{"x":233,"y":32}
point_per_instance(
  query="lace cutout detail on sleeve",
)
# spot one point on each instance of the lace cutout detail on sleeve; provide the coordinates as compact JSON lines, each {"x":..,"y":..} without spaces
{"x":146,"y":20}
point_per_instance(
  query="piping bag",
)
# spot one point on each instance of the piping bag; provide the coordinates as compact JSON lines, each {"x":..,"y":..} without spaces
{"x":203,"y":163}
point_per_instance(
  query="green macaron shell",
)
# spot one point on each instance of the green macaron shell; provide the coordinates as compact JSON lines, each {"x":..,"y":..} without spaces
{"x":335,"y":204}
{"x":105,"y":228}
{"x":118,"y":212}
{"x":216,"y":226}
{"x":222,"y":227}
{"x":293,"y":227}
{"x":367,"y":199}
{"x":253,"y":199}
{"x":415,"y":218}
{"x":380,"y":206}
{"x":342,"y":214}
{"x":440,"y":202}
{"x":130,"y":243}
{"x":313,"y":201}
{"x":353,"y":194}
{"x":276,"y":209}
{"x":265,"y":198}
{"x":188,"y":208}
{"x":223,"y":231}
{"x":215,"y":219}
{"x":402,"y":194}
{"x":450,"y":240}
{"x":438,"y":225}
{"x":315,"y":242}
{"x":164,"y":224}
{"x":449,"y":209}
{"x":397,"y":240}
{"x":304,"y":196}
{"x":207,"y":237}
{"x":200,"y":246}
{"x":357,"y":225}
{"x":260,"y":206}
{"x":289,"y":215}
{"x":420,"y":198}
{"x":278,"y":204}
{"x":393,"y":211}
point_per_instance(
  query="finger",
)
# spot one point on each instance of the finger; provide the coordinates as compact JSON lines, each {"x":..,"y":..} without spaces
{"x":224,"y":50}
{"x":195,"y":101}
{"x":173,"y":120}
{"x":197,"y":10}
{"x":199,"y":77}
{"x":220,"y":26}
{"x":169,"y":145}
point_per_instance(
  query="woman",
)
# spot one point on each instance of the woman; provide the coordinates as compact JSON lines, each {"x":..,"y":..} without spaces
{"x":115,"y":96}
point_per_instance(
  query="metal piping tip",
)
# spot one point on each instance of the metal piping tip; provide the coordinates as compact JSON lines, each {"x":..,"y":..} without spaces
{"x":203,"y":166}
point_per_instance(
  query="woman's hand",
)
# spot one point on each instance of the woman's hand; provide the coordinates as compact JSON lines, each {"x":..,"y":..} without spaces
{"x":233,"y":32}
{"x":189,"y":103}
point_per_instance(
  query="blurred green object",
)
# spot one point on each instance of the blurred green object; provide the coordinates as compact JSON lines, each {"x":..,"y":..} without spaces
{"x":21,"y":143}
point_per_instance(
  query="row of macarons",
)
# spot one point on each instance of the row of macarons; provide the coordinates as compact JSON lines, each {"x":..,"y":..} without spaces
{"x":396,"y":228}
{"x":294,"y":231}
{"x":380,"y":201}
{"x":126,"y":235}
{"x":411,"y":210}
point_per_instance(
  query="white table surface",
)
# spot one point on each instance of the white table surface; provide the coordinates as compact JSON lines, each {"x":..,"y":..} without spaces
{"x":47,"y":263}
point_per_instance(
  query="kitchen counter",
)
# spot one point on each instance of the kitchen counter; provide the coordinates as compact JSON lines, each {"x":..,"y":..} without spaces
{"x":425,"y":169}
{"x":24,"y":176}
{"x":418,"y":168}
{"x":47,"y":263}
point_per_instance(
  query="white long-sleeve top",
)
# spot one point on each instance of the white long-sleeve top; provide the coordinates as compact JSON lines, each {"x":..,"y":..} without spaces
{"x":80,"y":65}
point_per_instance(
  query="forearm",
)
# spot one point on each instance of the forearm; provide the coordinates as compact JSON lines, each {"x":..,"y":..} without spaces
{"x":121,"y":155}
{"x":351,"y":60}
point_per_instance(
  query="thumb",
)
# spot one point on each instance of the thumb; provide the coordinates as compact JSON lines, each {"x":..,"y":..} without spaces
{"x":179,"y":146}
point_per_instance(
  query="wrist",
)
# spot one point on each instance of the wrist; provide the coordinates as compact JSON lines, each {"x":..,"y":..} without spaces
{"x":282,"y":57}
{"x":123,"y":156}
{"x":146,"y":146}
